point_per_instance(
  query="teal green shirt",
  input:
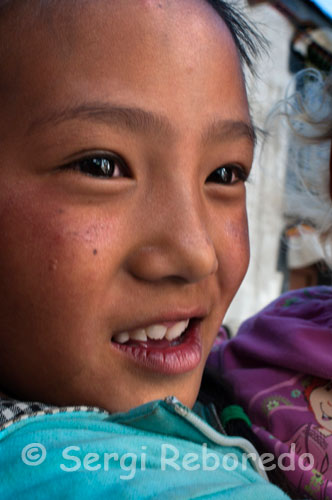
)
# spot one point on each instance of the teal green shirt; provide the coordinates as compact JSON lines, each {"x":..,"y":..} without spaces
{"x":158,"y":450}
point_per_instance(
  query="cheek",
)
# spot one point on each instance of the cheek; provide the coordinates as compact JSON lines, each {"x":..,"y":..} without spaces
{"x":233,"y":250}
{"x":314,"y":403}
{"x":53,"y":262}
{"x":236,"y":231}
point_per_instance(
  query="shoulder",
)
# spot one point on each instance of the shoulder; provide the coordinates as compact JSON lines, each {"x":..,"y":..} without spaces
{"x":91,"y":454}
{"x":297,"y":326}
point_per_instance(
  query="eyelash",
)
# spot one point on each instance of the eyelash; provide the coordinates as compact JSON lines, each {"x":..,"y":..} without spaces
{"x":105,"y":165}
{"x":227,"y":173}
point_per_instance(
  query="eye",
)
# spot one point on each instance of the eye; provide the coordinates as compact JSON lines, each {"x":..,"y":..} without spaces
{"x":103,"y":166}
{"x":228,"y":175}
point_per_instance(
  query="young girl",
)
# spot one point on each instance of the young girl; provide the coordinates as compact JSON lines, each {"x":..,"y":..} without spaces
{"x":125,"y":143}
{"x":280,"y":361}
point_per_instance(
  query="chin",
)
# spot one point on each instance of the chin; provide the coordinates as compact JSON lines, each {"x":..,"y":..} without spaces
{"x":127,"y":404}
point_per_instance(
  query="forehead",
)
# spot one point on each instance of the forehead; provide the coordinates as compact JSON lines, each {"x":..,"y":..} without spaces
{"x":117,"y":50}
{"x":156,"y":16}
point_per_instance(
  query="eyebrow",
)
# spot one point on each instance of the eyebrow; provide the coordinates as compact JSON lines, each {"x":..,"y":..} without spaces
{"x":142,"y":121}
{"x":221,"y":130}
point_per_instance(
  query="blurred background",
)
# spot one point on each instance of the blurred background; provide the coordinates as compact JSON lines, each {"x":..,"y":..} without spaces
{"x":284,"y":255}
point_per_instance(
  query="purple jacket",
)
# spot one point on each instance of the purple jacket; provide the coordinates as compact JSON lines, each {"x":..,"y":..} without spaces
{"x":280,"y":366}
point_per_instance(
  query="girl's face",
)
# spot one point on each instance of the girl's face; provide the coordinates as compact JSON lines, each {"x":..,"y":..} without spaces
{"x":125,"y":138}
{"x":321,"y":404}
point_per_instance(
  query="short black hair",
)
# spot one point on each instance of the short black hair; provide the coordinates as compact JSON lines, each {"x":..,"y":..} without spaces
{"x":249,"y":42}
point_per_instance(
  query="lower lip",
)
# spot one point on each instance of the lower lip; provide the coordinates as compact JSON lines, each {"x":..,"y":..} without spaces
{"x":165,"y":358}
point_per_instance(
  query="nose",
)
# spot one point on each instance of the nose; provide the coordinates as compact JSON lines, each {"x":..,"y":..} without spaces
{"x":176,"y":243}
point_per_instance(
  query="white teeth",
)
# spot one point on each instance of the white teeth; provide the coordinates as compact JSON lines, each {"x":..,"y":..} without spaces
{"x":175,"y":331}
{"x":139,"y":334}
{"x":122,"y":337}
{"x":156,"y":332}
{"x":153,"y":332}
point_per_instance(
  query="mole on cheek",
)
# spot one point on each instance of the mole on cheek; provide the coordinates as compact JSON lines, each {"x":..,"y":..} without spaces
{"x":95,"y":251}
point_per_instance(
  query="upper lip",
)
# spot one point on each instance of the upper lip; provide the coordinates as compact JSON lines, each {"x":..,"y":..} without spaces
{"x":175,"y":316}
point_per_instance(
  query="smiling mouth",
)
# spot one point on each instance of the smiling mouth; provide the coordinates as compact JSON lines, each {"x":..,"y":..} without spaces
{"x":159,"y":334}
{"x":170,"y":347}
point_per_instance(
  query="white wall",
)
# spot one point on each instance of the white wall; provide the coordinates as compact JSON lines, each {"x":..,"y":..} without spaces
{"x":263,"y":283}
